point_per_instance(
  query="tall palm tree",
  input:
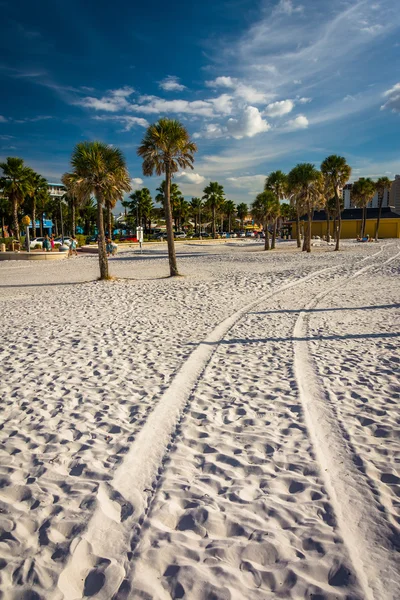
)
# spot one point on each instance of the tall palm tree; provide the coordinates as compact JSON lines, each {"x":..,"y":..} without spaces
{"x":195,"y":208}
{"x":214,"y":196}
{"x":70,"y":196}
{"x":39,"y":194}
{"x":16,"y":184}
{"x":381,"y":185}
{"x":99,"y":169}
{"x":229,"y":210}
{"x":337,"y":172}
{"x":242,"y":211}
{"x":363,"y":191}
{"x":307,"y":184}
{"x":142,"y":207}
{"x":263,"y":209}
{"x":277,"y":182}
{"x":165,"y":148}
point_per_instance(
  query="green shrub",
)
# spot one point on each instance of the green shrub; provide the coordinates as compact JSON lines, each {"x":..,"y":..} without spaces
{"x":81,"y":239}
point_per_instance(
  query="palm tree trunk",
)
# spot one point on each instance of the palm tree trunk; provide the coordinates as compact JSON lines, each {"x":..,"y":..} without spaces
{"x":41,"y":224}
{"x":309,"y":232}
{"x":103,"y":262}
{"x":34,"y":217}
{"x":362,"y":233}
{"x":229,"y":223}
{"x":273,"y":235}
{"x":2,"y":226}
{"x":338,"y":222}
{"x":328,"y":235}
{"x":298,"y":227}
{"x":15,"y":217}
{"x":213,"y":221}
{"x":173,"y":267}
{"x":108,"y":212}
{"x":379,"y":216}
{"x":73,"y":216}
{"x":266,"y":243}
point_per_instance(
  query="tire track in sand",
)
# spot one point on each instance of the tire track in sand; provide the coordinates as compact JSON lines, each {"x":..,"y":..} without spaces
{"x":122,"y":507}
{"x":364,"y":529}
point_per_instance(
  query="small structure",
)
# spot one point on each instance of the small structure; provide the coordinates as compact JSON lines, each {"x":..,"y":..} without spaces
{"x":389,"y":226}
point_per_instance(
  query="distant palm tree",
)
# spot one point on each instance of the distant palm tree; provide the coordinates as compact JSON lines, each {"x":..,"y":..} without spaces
{"x":307,"y":183}
{"x":381,"y":185}
{"x":229,"y":210}
{"x":16,"y":185}
{"x":70,"y":196}
{"x":362,"y":192}
{"x":99,"y":169}
{"x":195,"y":208}
{"x":242,"y":210}
{"x":165,"y":148}
{"x":39,"y":193}
{"x":263,"y":209}
{"x":214,"y":196}
{"x":337,"y":172}
{"x":277,"y":182}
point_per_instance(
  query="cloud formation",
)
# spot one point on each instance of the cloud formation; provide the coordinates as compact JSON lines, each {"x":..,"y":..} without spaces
{"x":190,"y":177}
{"x":112,"y":101}
{"x":393,"y":99}
{"x":277,"y":109}
{"x":248,"y":124}
{"x":300,"y":122}
{"x":171,"y":84}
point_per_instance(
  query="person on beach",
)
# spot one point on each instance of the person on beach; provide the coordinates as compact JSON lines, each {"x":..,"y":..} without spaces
{"x":52,"y":243}
{"x":111,"y":247}
{"x":46,"y":243}
{"x":72,"y":247}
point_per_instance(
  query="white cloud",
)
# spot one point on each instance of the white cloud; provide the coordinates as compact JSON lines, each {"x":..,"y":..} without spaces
{"x":300,"y":122}
{"x":136,"y":183}
{"x":211,"y":131}
{"x":304,"y":100}
{"x":277,"y":109}
{"x":188,"y":177}
{"x":171,"y":84}
{"x":287,"y":7}
{"x":393,"y":99}
{"x":248,"y":124}
{"x":126,"y":120}
{"x":156,"y":105}
{"x":223,"y":81}
{"x":372,"y":29}
{"x":240,"y":89}
{"x":113,"y":101}
{"x":222,"y":104}
{"x":2,"y":119}
{"x":254,"y":182}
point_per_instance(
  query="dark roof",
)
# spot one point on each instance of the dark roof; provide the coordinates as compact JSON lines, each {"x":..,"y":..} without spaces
{"x":356,"y":214}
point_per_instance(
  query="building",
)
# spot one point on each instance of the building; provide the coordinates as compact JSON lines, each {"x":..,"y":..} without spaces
{"x":348,"y":202}
{"x":56,"y":190}
{"x":389,"y":226}
{"x":395,"y":194}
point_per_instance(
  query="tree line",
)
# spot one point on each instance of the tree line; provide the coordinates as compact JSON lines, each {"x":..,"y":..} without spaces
{"x":99,"y":171}
{"x":309,"y":189}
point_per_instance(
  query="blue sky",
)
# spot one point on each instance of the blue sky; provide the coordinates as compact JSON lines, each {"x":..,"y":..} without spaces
{"x":259,"y":85}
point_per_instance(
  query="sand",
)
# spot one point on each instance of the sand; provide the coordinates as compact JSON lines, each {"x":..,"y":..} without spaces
{"x":201,"y":437}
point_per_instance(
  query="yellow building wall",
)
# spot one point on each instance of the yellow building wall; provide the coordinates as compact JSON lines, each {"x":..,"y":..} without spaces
{"x":388,"y":228}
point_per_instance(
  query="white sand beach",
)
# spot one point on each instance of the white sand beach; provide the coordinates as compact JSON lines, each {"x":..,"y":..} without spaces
{"x":232,"y":434}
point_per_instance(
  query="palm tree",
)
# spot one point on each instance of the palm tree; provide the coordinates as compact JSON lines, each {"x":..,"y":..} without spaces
{"x":196,"y":206}
{"x":39,"y":194}
{"x":16,"y":184}
{"x":363,"y":191}
{"x":229,"y":210}
{"x":165,"y":148}
{"x":307,"y":185}
{"x":381,"y":185}
{"x":242,"y":212}
{"x":337,"y":171}
{"x":214,"y":196}
{"x":277,"y":182}
{"x":99,"y":169}
{"x":263,"y":209}
{"x":71,"y":191}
